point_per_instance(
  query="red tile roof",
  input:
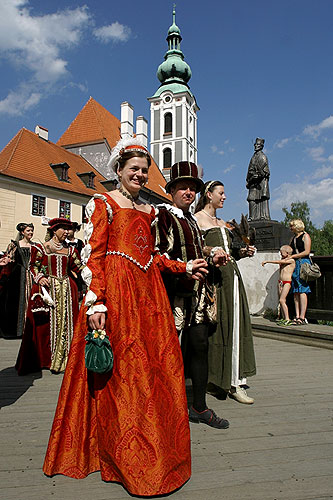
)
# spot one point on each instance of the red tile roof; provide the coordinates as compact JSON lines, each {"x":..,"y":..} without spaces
{"x":28,"y":157}
{"x":93,"y":124}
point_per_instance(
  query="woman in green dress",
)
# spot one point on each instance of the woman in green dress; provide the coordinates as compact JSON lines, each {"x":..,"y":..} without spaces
{"x":231,"y":352}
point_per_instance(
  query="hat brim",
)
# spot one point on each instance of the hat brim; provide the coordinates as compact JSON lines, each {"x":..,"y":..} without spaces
{"x":199,"y":183}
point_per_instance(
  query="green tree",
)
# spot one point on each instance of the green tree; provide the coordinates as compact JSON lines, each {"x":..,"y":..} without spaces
{"x":299,"y":210}
{"x":321,"y":239}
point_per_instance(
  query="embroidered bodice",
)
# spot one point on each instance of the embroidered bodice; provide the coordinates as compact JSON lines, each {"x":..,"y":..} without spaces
{"x":131,"y":235}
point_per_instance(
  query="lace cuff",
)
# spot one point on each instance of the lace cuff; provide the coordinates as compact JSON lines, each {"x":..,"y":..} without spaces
{"x":214,"y":250}
{"x":98,"y":308}
{"x":189,"y":267}
{"x":38,"y":277}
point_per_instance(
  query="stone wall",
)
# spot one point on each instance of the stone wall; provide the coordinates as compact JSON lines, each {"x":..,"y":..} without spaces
{"x":261,"y":283}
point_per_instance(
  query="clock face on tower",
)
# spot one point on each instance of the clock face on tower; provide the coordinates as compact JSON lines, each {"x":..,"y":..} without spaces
{"x":167,"y":98}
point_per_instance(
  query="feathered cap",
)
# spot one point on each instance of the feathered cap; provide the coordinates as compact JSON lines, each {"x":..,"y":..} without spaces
{"x":125,"y":145}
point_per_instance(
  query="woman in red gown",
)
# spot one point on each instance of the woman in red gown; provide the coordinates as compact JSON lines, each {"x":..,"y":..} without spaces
{"x":131,"y":424}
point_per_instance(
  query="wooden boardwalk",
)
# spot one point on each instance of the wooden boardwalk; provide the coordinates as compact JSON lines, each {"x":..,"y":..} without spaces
{"x":279,"y":448}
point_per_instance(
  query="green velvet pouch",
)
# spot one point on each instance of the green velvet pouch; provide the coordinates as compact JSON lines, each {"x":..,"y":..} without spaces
{"x":98,"y":353}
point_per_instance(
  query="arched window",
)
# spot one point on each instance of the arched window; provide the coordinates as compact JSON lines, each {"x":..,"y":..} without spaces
{"x":167,"y":158}
{"x":167,"y":123}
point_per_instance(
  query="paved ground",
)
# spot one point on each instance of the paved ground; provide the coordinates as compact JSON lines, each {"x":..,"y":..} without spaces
{"x":279,"y":448}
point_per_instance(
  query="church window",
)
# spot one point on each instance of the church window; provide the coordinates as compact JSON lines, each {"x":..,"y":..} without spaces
{"x":167,"y":158}
{"x":168,"y":123}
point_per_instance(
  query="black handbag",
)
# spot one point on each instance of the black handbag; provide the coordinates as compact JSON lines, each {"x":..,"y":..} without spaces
{"x":98,"y":353}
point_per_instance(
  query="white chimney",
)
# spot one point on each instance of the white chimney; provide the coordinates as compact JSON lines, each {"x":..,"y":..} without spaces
{"x":42,"y":132}
{"x":142,"y":130}
{"x":126,"y":119}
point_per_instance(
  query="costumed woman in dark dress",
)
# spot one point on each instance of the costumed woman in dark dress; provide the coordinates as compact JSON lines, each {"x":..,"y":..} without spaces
{"x":301,"y":246}
{"x":231,"y":353}
{"x":53,"y":305}
{"x":16,"y":282}
{"x":131,"y":424}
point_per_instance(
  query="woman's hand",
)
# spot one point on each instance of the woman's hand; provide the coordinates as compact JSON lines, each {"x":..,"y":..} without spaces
{"x":44,"y":281}
{"x":96,"y":321}
{"x":5,"y":260}
{"x":199,"y":269}
{"x":247,"y":251}
{"x":263,"y":263}
{"x":220,"y":258}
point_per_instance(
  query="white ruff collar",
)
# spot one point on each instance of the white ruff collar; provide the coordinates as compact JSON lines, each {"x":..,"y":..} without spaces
{"x":176,"y":211}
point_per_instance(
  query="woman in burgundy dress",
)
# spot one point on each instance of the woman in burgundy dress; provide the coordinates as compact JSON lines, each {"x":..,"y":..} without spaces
{"x":53,"y":305}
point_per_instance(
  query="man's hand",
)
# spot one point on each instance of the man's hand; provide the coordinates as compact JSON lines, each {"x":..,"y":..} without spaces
{"x":199,"y":269}
{"x":96,"y":321}
{"x":221,"y":258}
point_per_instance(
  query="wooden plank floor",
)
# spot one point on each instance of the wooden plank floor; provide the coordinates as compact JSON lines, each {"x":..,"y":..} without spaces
{"x":279,"y":448}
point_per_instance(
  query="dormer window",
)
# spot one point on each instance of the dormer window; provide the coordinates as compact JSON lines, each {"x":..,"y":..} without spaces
{"x":61,"y":171}
{"x":88,"y":179}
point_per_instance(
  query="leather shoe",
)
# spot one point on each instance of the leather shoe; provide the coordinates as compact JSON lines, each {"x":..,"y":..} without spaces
{"x":208,"y":417}
{"x":239,"y":394}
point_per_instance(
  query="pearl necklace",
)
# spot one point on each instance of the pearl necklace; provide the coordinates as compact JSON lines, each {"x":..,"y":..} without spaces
{"x":55,"y":245}
{"x":211,"y":216}
{"x":128,"y":196}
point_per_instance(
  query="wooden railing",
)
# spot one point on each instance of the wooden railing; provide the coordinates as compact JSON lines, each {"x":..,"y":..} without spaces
{"x":320,"y":305}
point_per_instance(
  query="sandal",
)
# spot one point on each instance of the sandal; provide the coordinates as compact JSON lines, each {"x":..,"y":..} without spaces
{"x":303,"y":321}
{"x":296,"y":322}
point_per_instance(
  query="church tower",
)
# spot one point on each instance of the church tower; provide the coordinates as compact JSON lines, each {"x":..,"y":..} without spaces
{"x":173,"y":108}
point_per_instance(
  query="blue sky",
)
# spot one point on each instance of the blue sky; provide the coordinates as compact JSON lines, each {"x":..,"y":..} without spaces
{"x":259,"y":69}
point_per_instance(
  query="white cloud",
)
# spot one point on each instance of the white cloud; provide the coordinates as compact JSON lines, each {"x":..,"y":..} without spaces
{"x":216,"y":150}
{"x":323,"y":171}
{"x":114,"y":32}
{"x":228,"y":169}
{"x":315,"y":130}
{"x":35,"y":44}
{"x":282,"y":143}
{"x":318,"y":195}
{"x":316,"y":153}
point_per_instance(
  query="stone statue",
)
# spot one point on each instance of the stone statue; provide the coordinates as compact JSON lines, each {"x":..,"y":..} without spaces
{"x":257,"y":183}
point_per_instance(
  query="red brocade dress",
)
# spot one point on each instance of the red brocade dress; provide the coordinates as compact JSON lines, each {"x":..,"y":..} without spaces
{"x":132,"y":424}
{"x":49,"y":330}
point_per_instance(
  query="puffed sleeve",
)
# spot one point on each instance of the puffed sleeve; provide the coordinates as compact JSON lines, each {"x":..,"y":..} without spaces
{"x":164,"y":239}
{"x":163,"y":234}
{"x":99,"y":214}
{"x":35,"y":267}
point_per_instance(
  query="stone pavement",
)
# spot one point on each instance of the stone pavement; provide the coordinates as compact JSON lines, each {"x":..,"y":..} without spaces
{"x":279,"y":448}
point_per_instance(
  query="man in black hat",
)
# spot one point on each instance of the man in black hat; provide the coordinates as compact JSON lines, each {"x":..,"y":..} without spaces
{"x":257,"y":183}
{"x":178,"y":236}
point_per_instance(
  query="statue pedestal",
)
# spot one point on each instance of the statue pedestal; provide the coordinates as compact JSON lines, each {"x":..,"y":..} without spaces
{"x":270,"y":234}
{"x":261,"y":283}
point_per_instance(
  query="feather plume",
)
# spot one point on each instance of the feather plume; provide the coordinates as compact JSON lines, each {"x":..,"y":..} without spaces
{"x":122,"y":144}
{"x":243,"y":230}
